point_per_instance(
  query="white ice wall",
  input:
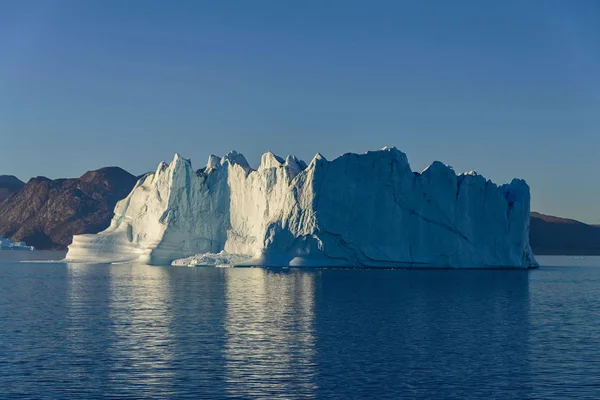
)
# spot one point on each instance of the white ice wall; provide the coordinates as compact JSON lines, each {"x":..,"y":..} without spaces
{"x":359,"y":209}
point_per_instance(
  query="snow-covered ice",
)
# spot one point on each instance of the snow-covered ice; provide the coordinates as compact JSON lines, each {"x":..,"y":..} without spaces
{"x":368,"y":210}
{"x":7,"y":244}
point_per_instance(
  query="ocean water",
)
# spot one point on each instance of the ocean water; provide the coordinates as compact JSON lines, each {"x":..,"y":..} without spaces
{"x":136,"y":331}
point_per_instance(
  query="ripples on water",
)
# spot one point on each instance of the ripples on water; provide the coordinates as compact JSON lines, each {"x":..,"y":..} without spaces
{"x":130,"y":331}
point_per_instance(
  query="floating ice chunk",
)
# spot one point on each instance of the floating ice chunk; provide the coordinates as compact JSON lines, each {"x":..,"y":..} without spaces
{"x":221,"y":258}
{"x":7,"y":244}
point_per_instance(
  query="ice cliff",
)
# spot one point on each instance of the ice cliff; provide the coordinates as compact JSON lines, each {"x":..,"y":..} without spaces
{"x":358,"y":210}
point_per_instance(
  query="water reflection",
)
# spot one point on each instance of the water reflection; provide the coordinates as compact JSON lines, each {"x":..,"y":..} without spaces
{"x":140,"y":316}
{"x":87,"y":311}
{"x":198,"y":325}
{"x":131,"y":331}
{"x":270,"y":342}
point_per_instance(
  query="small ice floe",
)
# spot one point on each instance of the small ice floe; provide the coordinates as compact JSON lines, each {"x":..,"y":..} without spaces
{"x":7,"y":244}
{"x":221,"y":259}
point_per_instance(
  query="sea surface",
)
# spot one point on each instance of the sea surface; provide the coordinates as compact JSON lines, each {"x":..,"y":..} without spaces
{"x":135,"y":331}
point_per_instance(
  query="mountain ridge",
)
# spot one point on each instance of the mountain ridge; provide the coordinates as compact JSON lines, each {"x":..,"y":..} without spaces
{"x":8,"y":185}
{"x":551,"y":235}
{"x":46,"y":213}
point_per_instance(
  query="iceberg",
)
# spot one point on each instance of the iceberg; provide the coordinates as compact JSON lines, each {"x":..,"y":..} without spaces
{"x":7,"y":244}
{"x":359,"y":210}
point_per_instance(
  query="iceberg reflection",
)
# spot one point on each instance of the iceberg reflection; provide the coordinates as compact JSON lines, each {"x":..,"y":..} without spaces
{"x":140,"y":318}
{"x":87,"y":310}
{"x":269,"y":333}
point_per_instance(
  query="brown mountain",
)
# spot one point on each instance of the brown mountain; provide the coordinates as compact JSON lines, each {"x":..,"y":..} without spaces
{"x":555,"y":235}
{"x":47,"y":213}
{"x":8,"y":185}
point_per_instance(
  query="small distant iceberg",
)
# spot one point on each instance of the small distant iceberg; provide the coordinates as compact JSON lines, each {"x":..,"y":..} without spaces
{"x":7,"y":244}
{"x":220,"y":259}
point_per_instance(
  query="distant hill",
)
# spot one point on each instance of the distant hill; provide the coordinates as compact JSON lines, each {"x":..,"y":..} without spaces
{"x":47,"y":213}
{"x":8,"y":185}
{"x":555,"y":235}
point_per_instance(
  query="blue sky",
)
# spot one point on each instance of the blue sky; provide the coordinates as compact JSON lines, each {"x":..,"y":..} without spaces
{"x":508,"y":88}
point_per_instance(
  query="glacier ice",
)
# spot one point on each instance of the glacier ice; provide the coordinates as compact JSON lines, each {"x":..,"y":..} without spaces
{"x":367,"y":210}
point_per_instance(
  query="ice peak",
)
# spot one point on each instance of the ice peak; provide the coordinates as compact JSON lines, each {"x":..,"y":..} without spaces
{"x":270,"y":160}
{"x":294,"y":161}
{"x":213,"y":162}
{"x":233,"y":157}
{"x":161,"y":167}
{"x":318,"y":157}
{"x":294,"y":165}
{"x":516,"y":190}
{"x":389,"y":148}
{"x":178,"y":159}
{"x":180,"y":163}
{"x":437,"y":166}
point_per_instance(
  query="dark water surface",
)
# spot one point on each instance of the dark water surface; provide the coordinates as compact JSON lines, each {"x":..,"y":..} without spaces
{"x":131,"y":331}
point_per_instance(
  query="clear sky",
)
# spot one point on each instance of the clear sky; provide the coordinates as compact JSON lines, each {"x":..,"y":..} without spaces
{"x":508,"y":88}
